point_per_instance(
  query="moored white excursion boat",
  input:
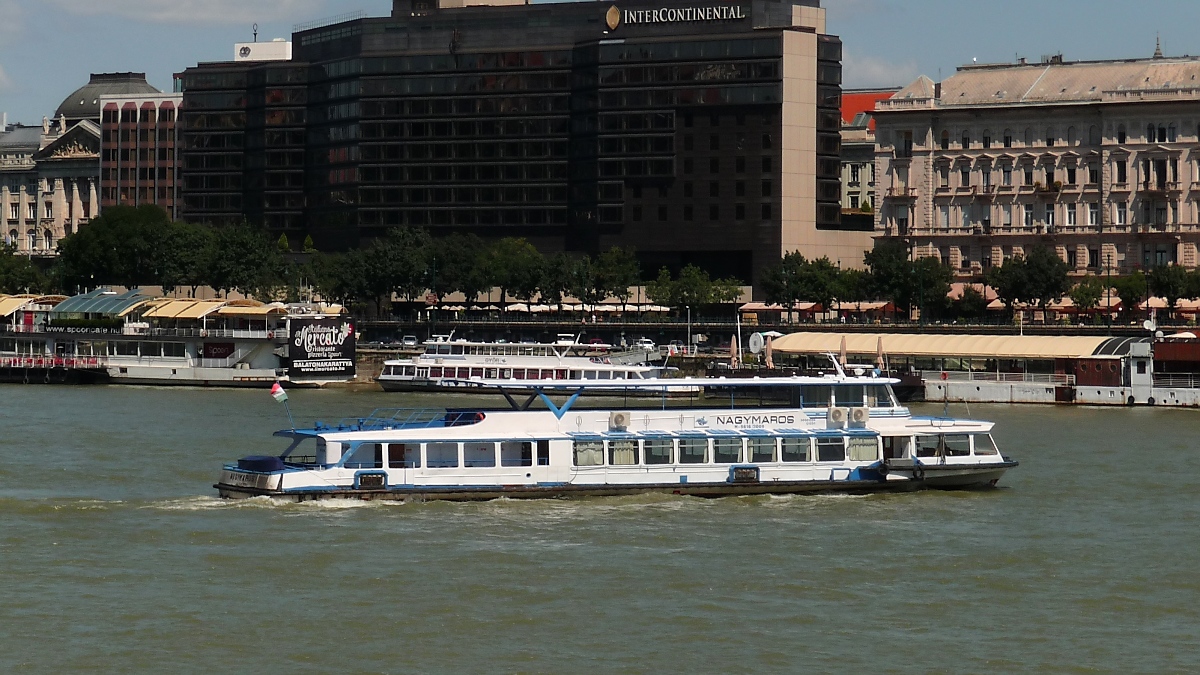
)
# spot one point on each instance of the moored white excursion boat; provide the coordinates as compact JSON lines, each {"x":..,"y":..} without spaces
{"x":458,"y":365}
{"x":846,"y":434}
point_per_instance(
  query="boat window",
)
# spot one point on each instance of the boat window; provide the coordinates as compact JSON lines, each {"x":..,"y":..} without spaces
{"x":589,"y":453}
{"x":560,"y":374}
{"x":543,"y":452}
{"x":575,"y":374}
{"x":491,"y":373}
{"x":589,"y":374}
{"x":366,"y":456}
{"x":727,"y":450}
{"x":328,"y":452}
{"x":516,"y":453}
{"x":404,"y":456}
{"x":456,"y":349}
{"x":174,"y":349}
{"x":831,"y":449}
{"x":477,"y":372}
{"x":506,"y":374}
{"x":431,"y":349}
{"x":795,"y":449}
{"x":464,"y":373}
{"x":985,"y":445}
{"x":958,"y":445}
{"x":658,"y":450}
{"x":814,"y":396}
{"x":479,"y":454}
{"x":435,"y":372}
{"x":863,"y":449}
{"x":895,"y":447}
{"x":848,"y":395}
{"x":519,"y":374}
{"x":441,"y":455}
{"x":927,"y":446}
{"x":693,"y":450}
{"x":878,"y":396}
{"x":761,"y":449}
{"x":605,"y":375}
{"x":410,"y":371}
{"x":622,"y":453}
{"x":443,"y":349}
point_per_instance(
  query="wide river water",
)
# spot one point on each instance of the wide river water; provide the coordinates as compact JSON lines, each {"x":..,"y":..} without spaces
{"x":116,"y":556}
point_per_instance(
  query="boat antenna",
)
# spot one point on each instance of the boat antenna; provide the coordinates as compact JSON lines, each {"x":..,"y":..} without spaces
{"x":836,"y":365}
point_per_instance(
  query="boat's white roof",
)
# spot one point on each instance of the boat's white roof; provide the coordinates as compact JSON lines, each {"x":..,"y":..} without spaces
{"x":669,"y":383}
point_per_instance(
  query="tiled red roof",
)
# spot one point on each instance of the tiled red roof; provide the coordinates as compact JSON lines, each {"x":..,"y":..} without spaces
{"x":856,"y":102}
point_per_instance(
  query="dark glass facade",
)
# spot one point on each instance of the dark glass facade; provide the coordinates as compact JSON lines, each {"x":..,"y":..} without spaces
{"x":539,"y":121}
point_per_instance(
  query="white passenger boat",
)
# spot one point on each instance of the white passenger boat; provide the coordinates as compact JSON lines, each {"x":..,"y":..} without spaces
{"x":457,"y":365}
{"x":842,"y":434}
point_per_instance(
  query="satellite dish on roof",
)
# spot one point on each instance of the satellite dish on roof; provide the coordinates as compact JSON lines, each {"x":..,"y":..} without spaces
{"x":1150,"y":325}
{"x":756,"y":342}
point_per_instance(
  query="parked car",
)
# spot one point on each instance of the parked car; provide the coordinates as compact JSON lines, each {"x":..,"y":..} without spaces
{"x":409,"y":341}
{"x":596,"y":341}
{"x":645,"y":344}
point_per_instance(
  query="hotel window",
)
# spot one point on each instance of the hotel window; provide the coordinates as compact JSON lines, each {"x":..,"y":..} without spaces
{"x":1122,"y":171}
{"x":1071,"y":215}
{"x":714,"y":212}
{"x":740,"y":165}
{"x":693,"y":451}
{"x":1008,"y":142}
{"x":1050,"y":137}
{"x":32,"y":212}
{"x":1006,"y":215}
{"x":687,"y":166}
{"x":1121,"y":133}
{"x":689,"y":213}
{"x":1028,"y":215}
{"x":714,"y":165}
{"x":714,"y":142}
{"x":965,"y":176}
{"x":1049,"y":176}
{"x":1050,"y":215}
{"x":739,"y":212}
{"x":944,"y":175}
{"x":637,"y":213}
{"x":1093,"y":174}
{"x":1093,"y":258}
{"x":657,"y":450}
{"x":1071,"y":175}
{"x":687,"y":142}
{"x":1093,"y":214}
{"x":588,"y":453}
{"x":766,"y":211}
{"x":766,"y":141}
{"x":966,"y":140}
{"x":1007,"y":171}
{"x":766,"y":188}
{"x":739,"y":188}
{"x":13,"y":212}
{"x":1028,"y":175}
{"x":945,"y":144}
{"x":985,"y":174}
{"x":662,"y":214}
{"x":714,"y":189}
{"x":987,"y":139}
{"x":795,"y":449}
{"x":944,"y":217}
{"x":766,"y":165}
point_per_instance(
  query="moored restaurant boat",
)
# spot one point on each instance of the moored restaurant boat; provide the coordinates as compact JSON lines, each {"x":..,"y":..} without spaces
{"x":838,"y":433}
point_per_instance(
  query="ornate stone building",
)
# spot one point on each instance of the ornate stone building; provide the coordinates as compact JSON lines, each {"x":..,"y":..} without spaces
{"x":1098,"y":160}
{"x":50,"y":175}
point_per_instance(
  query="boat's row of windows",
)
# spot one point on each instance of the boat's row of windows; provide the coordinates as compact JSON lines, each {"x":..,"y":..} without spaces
{"x":758,"y":450}
{"x":95,"y":348}
{"x":491,"y":350}
{"x":448,"y":455}
{"x":464,"y":373}
{"x":657,"y":451}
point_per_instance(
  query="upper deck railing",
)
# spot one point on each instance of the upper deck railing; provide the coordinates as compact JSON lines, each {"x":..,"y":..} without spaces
{"x":382,"y":419}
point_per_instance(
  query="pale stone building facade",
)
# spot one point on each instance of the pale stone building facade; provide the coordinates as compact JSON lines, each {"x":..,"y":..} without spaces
{"x":1098,"y":160}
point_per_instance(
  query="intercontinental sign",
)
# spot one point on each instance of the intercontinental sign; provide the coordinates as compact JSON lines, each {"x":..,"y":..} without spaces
{"x":616,"y":16}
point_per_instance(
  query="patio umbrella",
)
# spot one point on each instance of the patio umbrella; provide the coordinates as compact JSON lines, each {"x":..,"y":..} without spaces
{"x":733,"y":351}
{"x":842,"y":351}
{"x":767,"y":349}
{"x":879,"y":353}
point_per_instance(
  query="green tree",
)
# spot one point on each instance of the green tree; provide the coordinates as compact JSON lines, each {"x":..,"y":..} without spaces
{"x":187,"y":257}
{"x":340,"y":277}
{"x":1086,"y":294}
{"x":558,"y":275}
{"x":922,"y":283}
{"x":459,"y":262}
{"x":283,"y":245}
{"x":308,"y":244}
{"x":661,"y":291}
{"x":124,"y":245}
{"x":1131,"y":289}
{"x":1046,"y":276}
{"x":617,"y":270}
{"x":1011,"y":282}
{"x":1169,"y":282}
{"x":586,"y":283}
{"x":517,"y":268}
{"x":971,"y":306}
{"x":795,"y":278}
{"x":18,"y":274}
{"x":246,"y":261}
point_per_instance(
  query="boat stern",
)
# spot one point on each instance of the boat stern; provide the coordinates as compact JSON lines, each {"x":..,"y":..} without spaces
{"x":251,"y":477}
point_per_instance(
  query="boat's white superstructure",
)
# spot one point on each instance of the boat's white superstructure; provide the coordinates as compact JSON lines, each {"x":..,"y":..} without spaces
{"x":845,"y":434}
{"x":456,"y":365}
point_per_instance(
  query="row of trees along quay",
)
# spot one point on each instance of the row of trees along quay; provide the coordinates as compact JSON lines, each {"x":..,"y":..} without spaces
{"x":142,"y":246}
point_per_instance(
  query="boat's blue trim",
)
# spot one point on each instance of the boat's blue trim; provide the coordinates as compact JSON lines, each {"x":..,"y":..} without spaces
{"x":558,"y":412}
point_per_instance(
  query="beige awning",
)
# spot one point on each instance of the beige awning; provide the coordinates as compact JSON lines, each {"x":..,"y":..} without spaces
{"x":258,"y":311}
{"x":965,"y":346}
{"x":11,"y":304}
{"x":130,"y":309}
{"x":200,"y":309}
{"x":169,"y":309}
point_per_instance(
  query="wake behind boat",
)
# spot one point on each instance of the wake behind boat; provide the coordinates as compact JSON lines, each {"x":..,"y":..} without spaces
{"x":839,"y":433}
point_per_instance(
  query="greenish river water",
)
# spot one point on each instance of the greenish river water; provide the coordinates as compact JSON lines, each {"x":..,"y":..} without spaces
{"x":115,"y":556}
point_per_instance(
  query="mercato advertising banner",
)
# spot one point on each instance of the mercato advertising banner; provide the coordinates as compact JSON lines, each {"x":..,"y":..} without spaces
{"x":321,"y":347}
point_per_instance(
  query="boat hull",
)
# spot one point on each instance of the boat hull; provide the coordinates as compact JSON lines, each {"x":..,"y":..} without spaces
{"x":973,"y":477}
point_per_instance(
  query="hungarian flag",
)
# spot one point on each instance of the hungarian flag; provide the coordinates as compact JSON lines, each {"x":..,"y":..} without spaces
{"x":278,"y":393}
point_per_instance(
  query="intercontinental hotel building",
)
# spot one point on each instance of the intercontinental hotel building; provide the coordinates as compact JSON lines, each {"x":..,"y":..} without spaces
{"x":702,"y":132}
